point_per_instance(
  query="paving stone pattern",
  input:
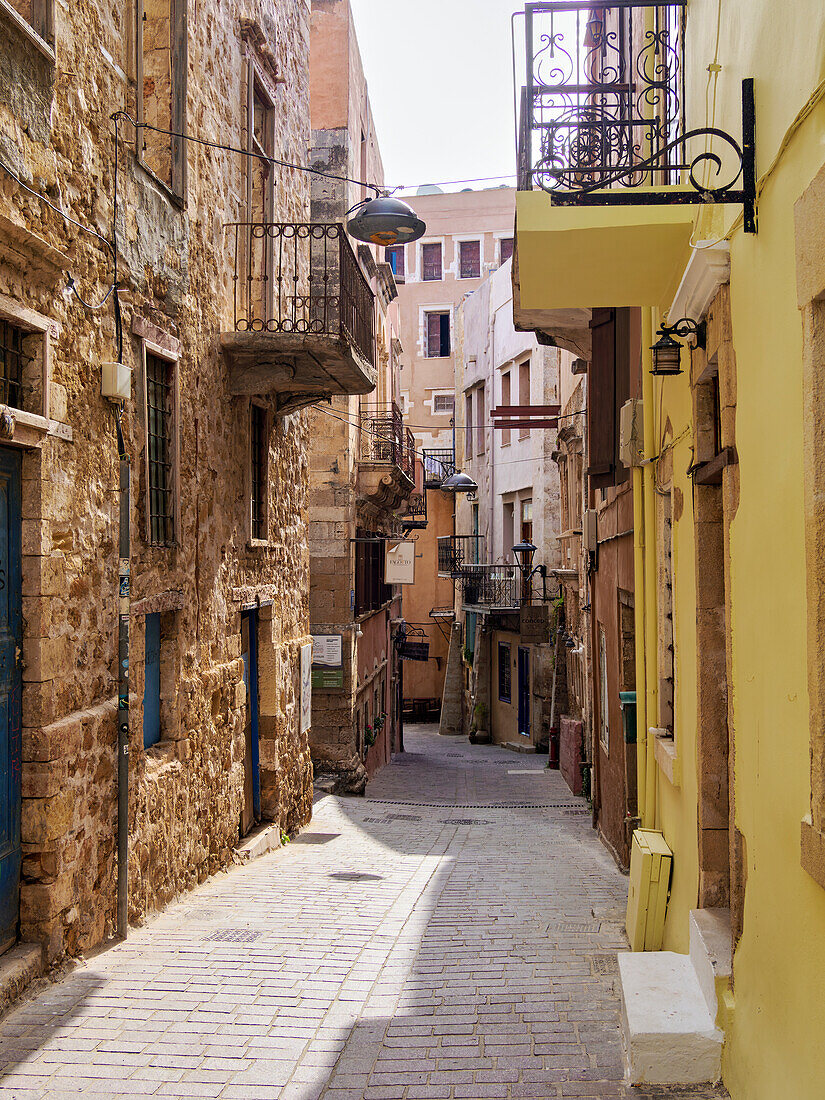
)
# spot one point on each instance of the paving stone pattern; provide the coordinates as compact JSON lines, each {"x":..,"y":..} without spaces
{"x":453,"y":934}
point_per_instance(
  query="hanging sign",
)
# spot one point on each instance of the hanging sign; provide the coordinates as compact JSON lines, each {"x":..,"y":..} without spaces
{"x":399,"y":562}
{"x":414,"y":651}
{"x":534,"y":626}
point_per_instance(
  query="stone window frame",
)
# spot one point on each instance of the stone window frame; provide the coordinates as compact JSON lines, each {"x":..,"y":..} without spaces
{"x":176,"y":187}
{"x":39,"y":33}
{"x":30,"y":428}
{"x":252,"y":542}
{"x":809,"y":231}
{"x":166,"y":348}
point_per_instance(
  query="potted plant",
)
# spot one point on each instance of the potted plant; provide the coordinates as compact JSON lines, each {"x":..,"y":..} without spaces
{"x":479,"y":730}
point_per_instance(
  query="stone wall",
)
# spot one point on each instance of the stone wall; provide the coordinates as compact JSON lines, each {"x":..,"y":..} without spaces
{"x":176,"y":267}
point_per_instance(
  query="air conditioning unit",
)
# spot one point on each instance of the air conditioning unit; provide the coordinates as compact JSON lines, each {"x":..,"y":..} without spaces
{"x":590,"y":530}
{"x":631,"y":433}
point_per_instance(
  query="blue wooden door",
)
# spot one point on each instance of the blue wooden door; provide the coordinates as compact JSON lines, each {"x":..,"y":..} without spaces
{"x":252,"y":771}
{"x":11,"y":640}
{"x":524,"y":690}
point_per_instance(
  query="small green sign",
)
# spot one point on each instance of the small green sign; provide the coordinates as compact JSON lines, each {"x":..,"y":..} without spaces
{"x":325,"y":679}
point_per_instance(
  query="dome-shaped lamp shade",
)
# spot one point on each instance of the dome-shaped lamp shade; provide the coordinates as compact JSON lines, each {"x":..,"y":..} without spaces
{"x":385,"y":221}
{"x":459,"y":483}
{"x":524,"y":553}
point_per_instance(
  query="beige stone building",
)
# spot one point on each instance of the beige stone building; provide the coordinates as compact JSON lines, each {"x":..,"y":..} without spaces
{"x":218,"y":285}
{"x":361,"y":455}
{"x":468,"y":235}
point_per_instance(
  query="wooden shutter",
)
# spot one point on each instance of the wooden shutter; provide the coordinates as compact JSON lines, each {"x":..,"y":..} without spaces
{"x":601,"y":400}
{"x":433,"y":335}
{"x":470,"y":259}
{"x":431,"y":260}
{"x":622,"y":387}
{"x":506,"y":246}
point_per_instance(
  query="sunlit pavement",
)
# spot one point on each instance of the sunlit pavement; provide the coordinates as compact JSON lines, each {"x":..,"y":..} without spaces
{"x":453,"y":934}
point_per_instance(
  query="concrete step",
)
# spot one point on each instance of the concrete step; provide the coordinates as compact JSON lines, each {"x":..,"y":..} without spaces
{"x":710,"y":953}
{"x":670,"y":1037}
{"x":520,"y":746}
{"x":259,"y":841}
{"x":19,"y":967}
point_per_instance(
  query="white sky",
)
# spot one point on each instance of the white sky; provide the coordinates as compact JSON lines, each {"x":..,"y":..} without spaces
{"x":440,"y":82}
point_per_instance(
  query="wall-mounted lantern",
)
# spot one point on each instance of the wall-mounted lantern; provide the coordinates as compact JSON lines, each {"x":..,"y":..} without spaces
{"x":667,"y":351}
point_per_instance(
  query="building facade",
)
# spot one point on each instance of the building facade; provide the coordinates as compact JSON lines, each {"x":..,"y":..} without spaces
{"x":212,"y":430}
{"x":728,"y":673}
{"x":468,"y":235}
{"x":362,"y":458}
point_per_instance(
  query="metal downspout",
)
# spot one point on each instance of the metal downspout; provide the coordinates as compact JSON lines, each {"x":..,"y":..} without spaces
{"x":651,"y":647}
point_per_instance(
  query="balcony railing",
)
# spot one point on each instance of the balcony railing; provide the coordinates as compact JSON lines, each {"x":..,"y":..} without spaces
{"x":385,"y":440}
{"x":416,"y":514}
{"x":491,"y":587}
{"x":603,"y":111}
{"x":439,"y":464}
{"x":301,"y":279}
{"x":458,"y":552}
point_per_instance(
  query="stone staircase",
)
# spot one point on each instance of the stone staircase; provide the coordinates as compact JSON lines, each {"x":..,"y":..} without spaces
{"x":671,"y":1006}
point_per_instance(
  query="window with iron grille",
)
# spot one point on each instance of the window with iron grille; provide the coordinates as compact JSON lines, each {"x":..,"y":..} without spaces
{"x":437,"y":331}
{"x":160,"y":374}
{"x":259,"y":470}
{"x":13,"y":360}
{"x":395,"y":258}
{"x":444,"y":403}
{"x":504,"y":672}
{"x":431,"y":262}
{"x":469,"y":259}
{"x":505,"y":246}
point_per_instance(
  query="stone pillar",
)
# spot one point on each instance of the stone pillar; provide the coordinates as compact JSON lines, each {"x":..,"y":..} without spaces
{"x":451,"y":723}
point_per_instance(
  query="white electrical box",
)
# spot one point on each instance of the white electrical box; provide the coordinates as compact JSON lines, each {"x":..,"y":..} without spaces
{"x":590,"y":530}
{"x":116,"y":381}
{"x":631,"y":433}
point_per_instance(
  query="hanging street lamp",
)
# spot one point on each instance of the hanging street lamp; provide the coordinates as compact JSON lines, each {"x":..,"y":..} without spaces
{"x":459,"y":483}
{"x":385,"y":221}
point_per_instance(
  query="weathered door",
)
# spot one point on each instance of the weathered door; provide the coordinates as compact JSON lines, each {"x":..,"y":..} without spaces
{"x":524,"y":690}
{"x":10,"y":695}
{"x":252,"y":775}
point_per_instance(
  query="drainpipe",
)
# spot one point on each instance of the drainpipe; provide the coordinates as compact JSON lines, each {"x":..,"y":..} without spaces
{"x":651,"y":647}
{"x":639,"y":629}
{"x":123,"y":694}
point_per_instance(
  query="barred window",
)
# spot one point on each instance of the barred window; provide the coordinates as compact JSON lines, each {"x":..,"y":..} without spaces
{"x":259,"y":471}
{"x":13,"y":358}
{"x":159,"y":428}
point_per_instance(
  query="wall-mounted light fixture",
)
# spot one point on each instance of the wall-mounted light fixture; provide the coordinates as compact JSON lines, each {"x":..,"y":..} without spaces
{"x":667,"y":351}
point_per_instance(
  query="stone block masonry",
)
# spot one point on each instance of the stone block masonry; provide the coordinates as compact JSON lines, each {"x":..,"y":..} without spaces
{"x":188,"y":791}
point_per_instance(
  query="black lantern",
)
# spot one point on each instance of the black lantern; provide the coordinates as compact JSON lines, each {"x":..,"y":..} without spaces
{"x":524,"y":553}
{"x":667,"y":351}
{"x":459,"y":483}
{"x":385,"y":221}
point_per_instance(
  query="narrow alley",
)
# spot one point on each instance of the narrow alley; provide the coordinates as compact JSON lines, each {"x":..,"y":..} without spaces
{"x":453,"y":934}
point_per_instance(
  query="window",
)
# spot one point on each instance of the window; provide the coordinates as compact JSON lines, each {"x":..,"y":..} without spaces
{"x":160,"y":378}
{"x":505,"y":400}
{"x":481,"y":421}
{"x":15,"y":360}
{"x":604,"y":724}
{"x":151,"y":681}
{"x":431,"y":262}
{"x":370,"y":590}
{"x":508,"y":529}
{"x":437,"y":332}
{"x":527,"y":521}
{"x":468,"y":425}
{"x":162,"y":65}
{"x":469,"y":259}
{"x":505,"y":249}
{"x":444,"y":403}
{"x":39,"y":14}
{"x":524,"y":392}
{"x":259,"y":454}
{"x":395,"y":258}
{"x":504,"y":672}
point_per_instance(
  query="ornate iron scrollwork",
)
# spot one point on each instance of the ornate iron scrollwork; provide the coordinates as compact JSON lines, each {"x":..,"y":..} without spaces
{"x":603,"y":111}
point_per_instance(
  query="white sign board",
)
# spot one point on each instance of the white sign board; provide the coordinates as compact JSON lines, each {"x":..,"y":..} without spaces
{"x":399,"y":565}
{"x":306,"y":686}
{"x":326,"y":650}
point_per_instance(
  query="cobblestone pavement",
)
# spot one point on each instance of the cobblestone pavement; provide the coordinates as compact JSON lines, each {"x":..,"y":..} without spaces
{"x":453,"y":934}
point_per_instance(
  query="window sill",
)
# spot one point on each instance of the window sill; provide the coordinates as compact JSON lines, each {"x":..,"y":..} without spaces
{"x":28,"y":32}
{"x":667,"y":756}
{"x":257,"y":545}
{"x":31,"y":428}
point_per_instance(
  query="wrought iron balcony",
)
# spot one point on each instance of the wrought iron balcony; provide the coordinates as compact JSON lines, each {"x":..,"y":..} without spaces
{"x":303,"y":313}
{"x":439,"y":464}
{"x":384,"y":439}
{"x":602,"y":113}
{"x":491,"y":587}
{"x":415,"y":517}
{"x":458,"y":552}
